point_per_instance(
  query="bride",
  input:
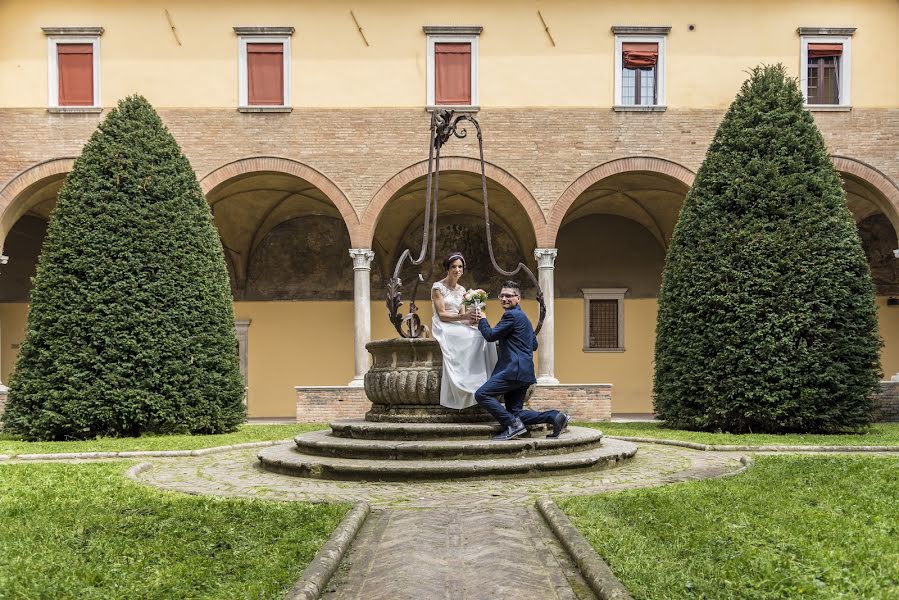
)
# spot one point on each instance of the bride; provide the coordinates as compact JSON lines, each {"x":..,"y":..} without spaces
{"x":468,"y":359}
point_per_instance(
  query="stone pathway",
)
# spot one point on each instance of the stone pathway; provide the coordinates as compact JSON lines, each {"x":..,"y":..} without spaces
{"x":237,"y":473}
{"x":452,"y":540}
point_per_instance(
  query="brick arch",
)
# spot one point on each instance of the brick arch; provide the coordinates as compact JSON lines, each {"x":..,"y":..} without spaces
{"x":632,"y":164}
{"x":275,"y":164}
{"x":452,"y":163}
{"x":13,"y":197}
{"x":880,"y":182}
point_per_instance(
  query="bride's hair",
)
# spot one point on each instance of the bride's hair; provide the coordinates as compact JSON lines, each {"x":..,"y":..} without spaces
{"x":451,"y":257}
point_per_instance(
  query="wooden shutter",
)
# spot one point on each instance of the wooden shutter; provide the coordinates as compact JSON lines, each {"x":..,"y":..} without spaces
{"x":452,"y":77}
{"x":76,"y":74}
{"x":265,"y":74}
{"x":603,"y":324}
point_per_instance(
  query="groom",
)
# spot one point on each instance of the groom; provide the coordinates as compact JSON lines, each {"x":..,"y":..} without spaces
{"x":514,"y":372}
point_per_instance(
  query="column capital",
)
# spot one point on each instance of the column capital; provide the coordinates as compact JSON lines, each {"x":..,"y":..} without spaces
{"x":546,"y":257}
{"x":362,"y":258}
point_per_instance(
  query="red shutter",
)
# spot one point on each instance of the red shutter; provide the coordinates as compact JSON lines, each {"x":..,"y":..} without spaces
{"x":76,"y":74}
{"x":265,"y":74}
{"x":824,"y":50}
{"x":639,"y":55}
{"x":452,"y":77}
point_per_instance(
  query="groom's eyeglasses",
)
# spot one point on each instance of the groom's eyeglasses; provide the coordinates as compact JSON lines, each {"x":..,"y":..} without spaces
{"x":504,"y":296}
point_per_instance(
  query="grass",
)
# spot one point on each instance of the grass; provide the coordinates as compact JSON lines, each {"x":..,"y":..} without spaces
{"x":84,"y":531}
{"x":880,"y":434}
{"x":791,"y":527}
{"x":10,"y":444}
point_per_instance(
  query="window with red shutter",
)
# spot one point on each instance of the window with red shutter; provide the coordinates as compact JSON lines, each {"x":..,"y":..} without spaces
{"x":76,"y":74}
{"x":452,"y":77}
{"x":265,"y":74}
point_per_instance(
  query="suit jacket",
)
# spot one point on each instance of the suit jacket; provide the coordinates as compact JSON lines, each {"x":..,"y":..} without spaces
{"x":517,"y":342}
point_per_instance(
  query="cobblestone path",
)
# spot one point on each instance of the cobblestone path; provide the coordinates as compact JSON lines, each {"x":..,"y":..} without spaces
{"x":237,"y":473}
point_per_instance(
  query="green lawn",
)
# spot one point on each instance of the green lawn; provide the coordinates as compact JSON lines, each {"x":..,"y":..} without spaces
{"x":84,"y":531}
{"x":881,"y":434}
{"x":10,"y":444}
{"x":790,"y":527}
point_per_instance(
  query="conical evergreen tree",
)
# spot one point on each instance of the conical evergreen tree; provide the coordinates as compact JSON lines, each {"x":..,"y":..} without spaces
{"x":767,"y":321}
{"x":130,"y":328}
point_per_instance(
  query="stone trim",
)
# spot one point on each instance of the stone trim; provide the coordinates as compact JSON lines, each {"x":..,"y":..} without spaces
{"x":827,"y":108}
{"x":323,"y":566}
{"x":651,"y":164}
{"x":264,"y":109}
{"x":745,"y":448}
{"x":452,"y":29}
{"x":74,"y":109}
{"x":277,"y":164}
{"x":461,"y":108}
{"x":74,"y":31}
{"x":264,"y":30}
{"x":595,"y":570}
{"x":825,"y":30}
{"x":641,"y":29}
{"x":635,"y":108}
{"x":382,"y":197}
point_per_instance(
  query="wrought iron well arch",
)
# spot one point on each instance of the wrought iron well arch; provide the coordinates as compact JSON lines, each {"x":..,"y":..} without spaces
{"x":444,"y":125}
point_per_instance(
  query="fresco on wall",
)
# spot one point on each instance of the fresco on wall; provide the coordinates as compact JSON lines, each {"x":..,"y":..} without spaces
{"x":306,"y":258}
{"x":466,"y":234}
{"x":879,"y":240}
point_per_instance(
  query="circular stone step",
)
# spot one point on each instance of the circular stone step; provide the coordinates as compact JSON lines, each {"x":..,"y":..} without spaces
{"x":288,"y":460}
{"x":369,"y":430}
{"x":322,"y":443}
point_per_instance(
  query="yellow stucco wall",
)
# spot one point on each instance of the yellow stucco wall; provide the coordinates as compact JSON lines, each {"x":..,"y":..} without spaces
{"x":311,"y":343}
{"x":332,"y":67}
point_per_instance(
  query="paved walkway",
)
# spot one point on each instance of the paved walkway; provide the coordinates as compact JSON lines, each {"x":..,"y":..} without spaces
{"x":463,"y":540}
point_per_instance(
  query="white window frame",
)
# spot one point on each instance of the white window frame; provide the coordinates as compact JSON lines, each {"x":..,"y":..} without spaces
{"x":604,"y":294}
{"x":71,"y":35}
{"x":644,"y":35}
{"x":262,"y":35}
{"x":810,"y":35}
{"x":452,"y":35}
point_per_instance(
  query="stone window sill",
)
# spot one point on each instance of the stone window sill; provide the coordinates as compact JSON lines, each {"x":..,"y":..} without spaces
{"x":467,"y":108}
{"x":827,"y":108}
{"x":603,"y":349}
{"x":264,"y":109}
{"x":626,"y":108}
{"x":75,"y":109}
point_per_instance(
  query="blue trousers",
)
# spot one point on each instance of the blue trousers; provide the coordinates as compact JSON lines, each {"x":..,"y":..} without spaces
{"x":514,"y":392}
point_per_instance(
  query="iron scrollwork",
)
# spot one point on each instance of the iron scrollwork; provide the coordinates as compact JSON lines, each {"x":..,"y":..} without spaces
{"x":444,"y":125}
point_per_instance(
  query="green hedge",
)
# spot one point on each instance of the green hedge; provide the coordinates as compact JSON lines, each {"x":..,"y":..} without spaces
{"x":130,"y":327}
{"x":767,"y":321}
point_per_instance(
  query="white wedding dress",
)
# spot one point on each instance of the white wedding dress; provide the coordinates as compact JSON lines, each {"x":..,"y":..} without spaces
{"x":468,"y":359}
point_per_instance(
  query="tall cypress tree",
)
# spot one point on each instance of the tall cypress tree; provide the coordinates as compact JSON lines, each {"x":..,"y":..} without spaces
{"x":130,"y":328}
{"x":767,"y":320}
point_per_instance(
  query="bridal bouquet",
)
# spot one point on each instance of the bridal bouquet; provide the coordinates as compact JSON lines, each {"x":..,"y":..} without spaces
{"x":475,"y":298}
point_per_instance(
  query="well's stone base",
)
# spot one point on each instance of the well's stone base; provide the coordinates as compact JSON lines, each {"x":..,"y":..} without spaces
{"x":886,"y":402}
{"x":317,"y":404}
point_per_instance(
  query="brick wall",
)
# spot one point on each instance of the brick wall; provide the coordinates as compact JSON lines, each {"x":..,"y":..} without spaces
{"x":584,"y":402}
{"x":886,"y":402}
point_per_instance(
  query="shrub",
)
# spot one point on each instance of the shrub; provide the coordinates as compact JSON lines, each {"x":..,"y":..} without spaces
{"x":130,"y":328}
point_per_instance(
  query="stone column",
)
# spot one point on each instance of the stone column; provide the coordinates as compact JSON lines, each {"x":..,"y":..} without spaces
{"x":546,"y":258}
{"x":362,"y":258}
{"x":3,"y":388}
{"x":241,"y":327}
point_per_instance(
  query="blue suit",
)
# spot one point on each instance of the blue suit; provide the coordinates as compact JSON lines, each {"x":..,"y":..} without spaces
{"x":514,"y":371}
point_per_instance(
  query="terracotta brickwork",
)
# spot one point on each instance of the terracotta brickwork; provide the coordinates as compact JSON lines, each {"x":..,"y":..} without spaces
{"x":357,"y":156}
{"x":886,"y":402}
{"x":584,"y":402}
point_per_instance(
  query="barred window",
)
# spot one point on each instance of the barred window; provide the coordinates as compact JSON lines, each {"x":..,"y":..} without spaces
{"x":604,"y":319}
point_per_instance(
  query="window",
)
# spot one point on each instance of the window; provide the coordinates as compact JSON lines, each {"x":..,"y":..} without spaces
{"x":73,"y":83}
{"x":825,"y":70}
{"x":604,"y":319}
{"x":452,"y":66}
{"x":264,"y":68}
{"x":640,"y":67}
